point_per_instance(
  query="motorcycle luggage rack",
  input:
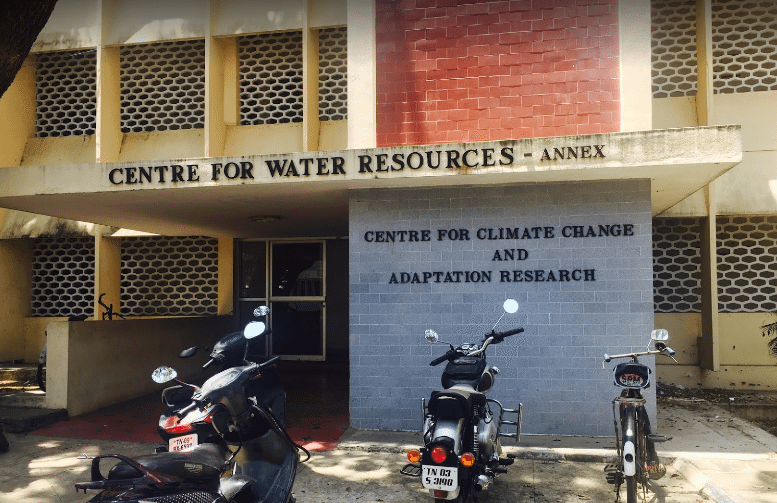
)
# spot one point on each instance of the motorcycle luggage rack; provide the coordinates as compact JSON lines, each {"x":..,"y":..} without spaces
{"x":517,"y":422}
{"x":411,"y":469}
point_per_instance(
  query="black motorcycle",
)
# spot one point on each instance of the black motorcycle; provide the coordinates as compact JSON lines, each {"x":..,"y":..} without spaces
{"x":182,"y":432}
{"x":254,"y":461}
{"x":462,"y":450}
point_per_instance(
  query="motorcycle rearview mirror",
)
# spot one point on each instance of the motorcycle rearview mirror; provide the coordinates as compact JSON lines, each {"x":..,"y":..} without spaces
{"x":659,"y":335}
{"x":188,"y":352}
{"x":510,"y":306}
{"x":432,"y":336}
{"x":254,"y":329}
{"x":163,"y":374}
{"x":261,"y":311}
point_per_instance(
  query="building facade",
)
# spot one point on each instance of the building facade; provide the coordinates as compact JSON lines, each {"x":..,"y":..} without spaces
{"x":371,"y":169}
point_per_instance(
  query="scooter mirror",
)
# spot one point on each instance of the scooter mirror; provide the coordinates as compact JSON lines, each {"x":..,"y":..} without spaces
{"x":254,"y":329}
{"x":163,"y":374}
{"x":432,"y":336}
{"x":510,"y":306}
{"x":659,"y":335}
{"x":189,"y":352}
{"x":261,"y":311}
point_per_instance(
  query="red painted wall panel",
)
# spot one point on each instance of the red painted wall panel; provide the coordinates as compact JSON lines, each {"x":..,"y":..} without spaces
{"x":468,"y":70}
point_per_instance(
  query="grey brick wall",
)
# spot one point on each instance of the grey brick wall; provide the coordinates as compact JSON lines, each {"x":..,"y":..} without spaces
{"x":555,"y":366}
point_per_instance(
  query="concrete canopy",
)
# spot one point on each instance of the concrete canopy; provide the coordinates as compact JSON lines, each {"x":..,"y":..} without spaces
{"x":306,"y":193}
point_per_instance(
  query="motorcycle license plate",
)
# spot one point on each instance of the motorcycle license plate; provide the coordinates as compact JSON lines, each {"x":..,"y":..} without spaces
{"x":183,"y":443}
{"x":443,"y":478}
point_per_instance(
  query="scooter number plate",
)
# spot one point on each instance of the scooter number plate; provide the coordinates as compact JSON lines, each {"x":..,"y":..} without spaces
{"x":443,"y":478}
{"x":183,"y":443}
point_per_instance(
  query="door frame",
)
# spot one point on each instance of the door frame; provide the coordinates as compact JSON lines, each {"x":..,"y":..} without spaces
{"x":268,"y":298}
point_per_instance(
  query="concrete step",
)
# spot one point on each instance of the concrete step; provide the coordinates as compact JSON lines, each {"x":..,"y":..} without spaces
{"x":23,"y":411}
{"x":18,"y":372}
{"x":24,"y":419}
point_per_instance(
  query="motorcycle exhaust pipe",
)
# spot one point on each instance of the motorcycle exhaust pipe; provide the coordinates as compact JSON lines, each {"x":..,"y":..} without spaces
{"x":482,"y":482}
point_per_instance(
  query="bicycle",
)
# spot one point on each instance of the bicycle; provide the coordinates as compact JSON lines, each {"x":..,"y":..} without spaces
{"x":40,"y":375}
{"x":637,"y":457}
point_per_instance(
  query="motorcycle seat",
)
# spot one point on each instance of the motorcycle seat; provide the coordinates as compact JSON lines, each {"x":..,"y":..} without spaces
{"x":455,"y":403}
{"x":205,"y":461}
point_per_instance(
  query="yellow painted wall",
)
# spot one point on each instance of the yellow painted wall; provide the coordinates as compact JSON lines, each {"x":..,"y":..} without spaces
{"x":745,"y":362}
{"x":92,"y":364}
{"x":59,"y":150}
{"x":15,"y":283}
{"x":749,"y":188}
{"x":267,"y":139}
{"x":35,"y":336}
{"x":162,"y":145}
{"x":333,"y":135}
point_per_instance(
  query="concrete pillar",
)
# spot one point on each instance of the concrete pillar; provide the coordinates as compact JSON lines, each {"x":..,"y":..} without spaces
{"x":226,"y":286}
{"x":16,"y":285}
{"x":709,"y":342}
{"x":109,"y":135}
{"x":221,"y":89}
{"x":704,"y":86}
{"x":310,"y":122}
{"x":362,"y":118}
{"x":107,"y":273}
{"x":636,"y":97}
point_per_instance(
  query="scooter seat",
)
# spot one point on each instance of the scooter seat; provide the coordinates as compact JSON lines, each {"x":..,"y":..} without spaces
{"x":206,"y":461}
{"x":455,"y":403}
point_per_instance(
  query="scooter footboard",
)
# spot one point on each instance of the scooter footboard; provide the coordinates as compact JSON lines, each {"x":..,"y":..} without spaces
{"x":271,"y":461}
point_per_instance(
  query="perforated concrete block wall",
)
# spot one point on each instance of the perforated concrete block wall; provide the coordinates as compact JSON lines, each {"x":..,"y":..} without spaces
{"x":582,"y":293}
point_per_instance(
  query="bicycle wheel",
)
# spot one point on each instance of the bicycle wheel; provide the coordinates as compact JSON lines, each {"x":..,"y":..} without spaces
{"x":630,"y":450}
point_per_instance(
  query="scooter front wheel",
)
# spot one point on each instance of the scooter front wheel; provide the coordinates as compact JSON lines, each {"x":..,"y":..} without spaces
{"x":41,"y":376}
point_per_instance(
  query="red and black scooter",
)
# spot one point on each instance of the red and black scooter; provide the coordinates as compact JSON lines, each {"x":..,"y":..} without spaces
{"x":251,"y":460}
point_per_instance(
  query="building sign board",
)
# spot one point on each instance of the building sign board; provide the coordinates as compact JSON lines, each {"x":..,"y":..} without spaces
{"x":379,"y":162}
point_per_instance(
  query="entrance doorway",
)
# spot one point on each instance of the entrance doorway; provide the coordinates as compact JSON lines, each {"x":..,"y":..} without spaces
{"x":297,"y":279}
{"x":289,"y":277}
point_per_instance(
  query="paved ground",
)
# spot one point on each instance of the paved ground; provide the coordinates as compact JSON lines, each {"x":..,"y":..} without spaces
{"x":714,"y":456}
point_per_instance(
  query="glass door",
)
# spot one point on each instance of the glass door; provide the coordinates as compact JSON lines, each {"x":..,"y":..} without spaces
{"x":297,"y":300}
{"x":290,"y":278}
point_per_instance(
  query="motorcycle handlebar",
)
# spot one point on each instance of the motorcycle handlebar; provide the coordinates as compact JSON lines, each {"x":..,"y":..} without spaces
{"x":500,"y":336}
{"x":186,"y":410}
{"x":441,"y":359}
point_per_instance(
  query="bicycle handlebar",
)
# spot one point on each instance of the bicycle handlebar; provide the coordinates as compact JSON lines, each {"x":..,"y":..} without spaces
{"x":669,"y":352}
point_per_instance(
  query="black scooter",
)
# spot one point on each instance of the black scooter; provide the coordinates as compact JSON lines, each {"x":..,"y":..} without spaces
{"x":255,"y":461}
{"x":462,"y":450}
{"x":182,"y":432}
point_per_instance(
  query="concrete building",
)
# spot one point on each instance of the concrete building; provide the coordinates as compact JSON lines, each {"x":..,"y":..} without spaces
{"x":371,"y":169}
